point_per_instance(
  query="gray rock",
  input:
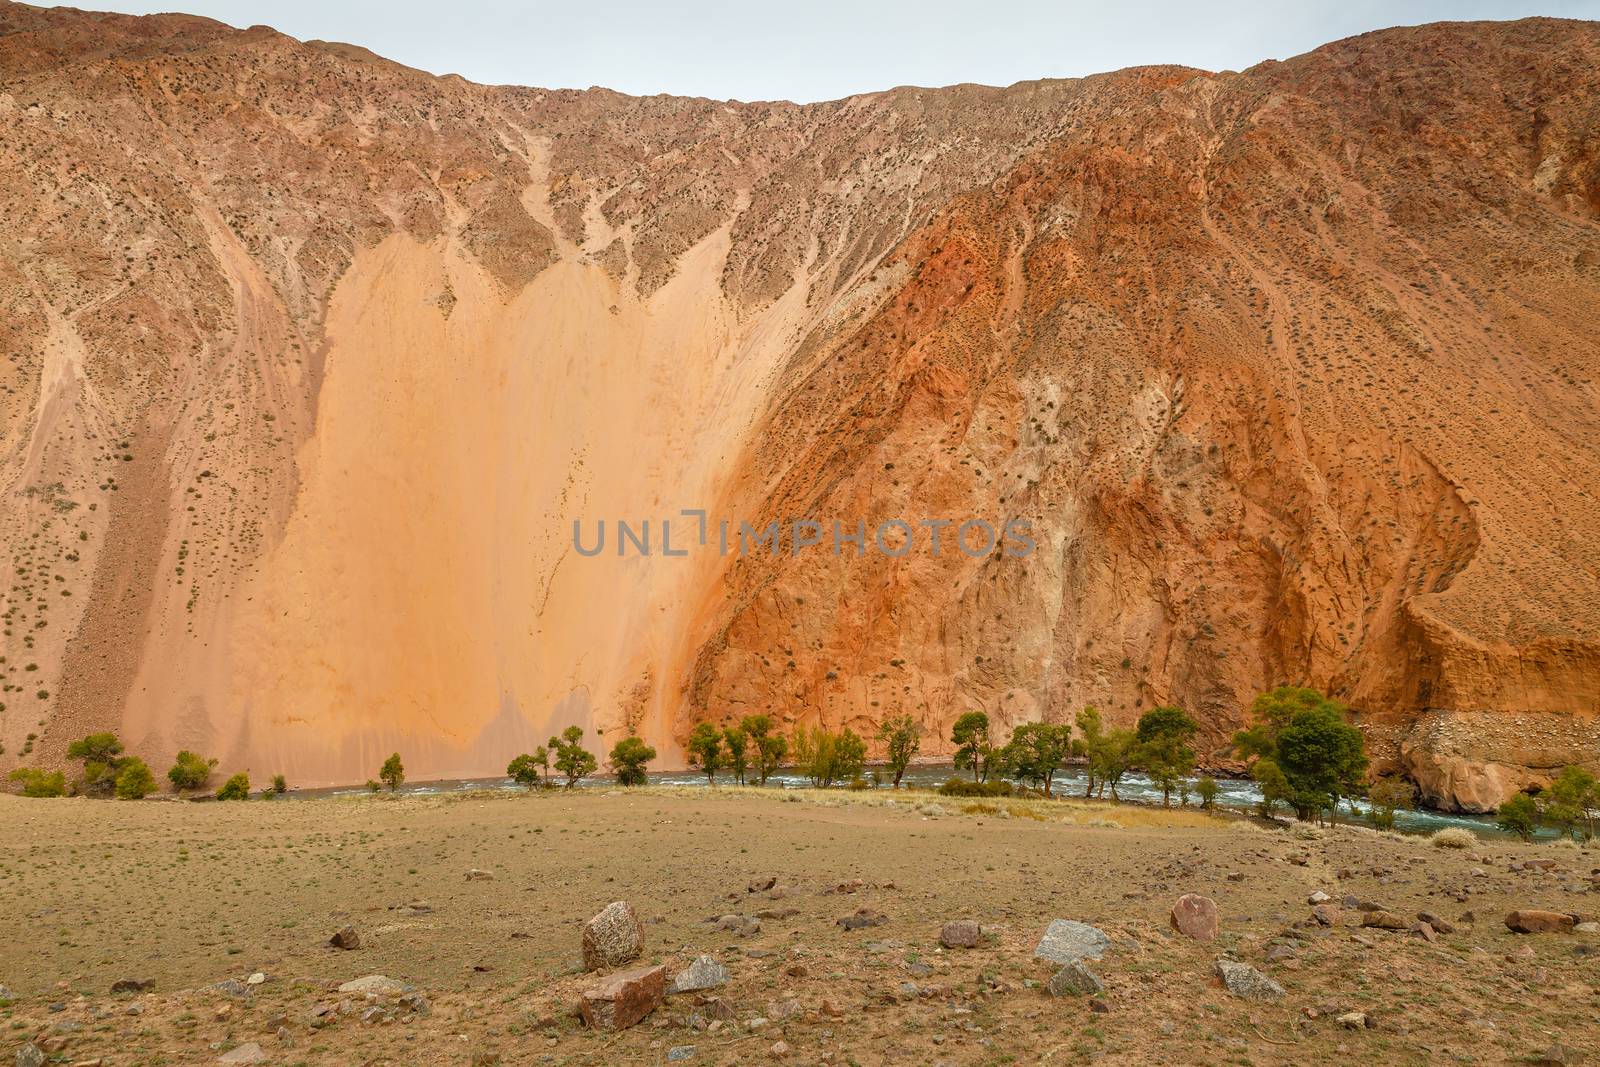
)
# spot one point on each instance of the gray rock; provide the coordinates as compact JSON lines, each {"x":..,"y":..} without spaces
{"x":703,"y":973}
{"x":374,"y":983}
{"x":1066,"y":940}
{"x":30,"y":1055}
{"x":1075,"y":979}
{"x":679,"y":1053}
{"x":962,"y":933}
{"x":250,"y":1052}
{"x":6,"y":994}
{"x":612,"y":937}
{"x":1243,"y":980}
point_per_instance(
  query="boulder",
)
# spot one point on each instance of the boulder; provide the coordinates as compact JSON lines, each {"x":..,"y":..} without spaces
{"x":346,"y":938}
{"x":1534,"y":921}
{"x":703,"y":973}
{"x":1075,"y":979}
{"x":1195,"y":916}
{"x":1243,"y":980}
{"x":1327,"y":914}
{"x":249,"y":1052}
{"x":613,"y":937}
{"x":375,"y":983}
{"x":962,"y":933}
{"x":624,"y":998}
{"x":1385,"y":920}
{"x":1066,"y":940}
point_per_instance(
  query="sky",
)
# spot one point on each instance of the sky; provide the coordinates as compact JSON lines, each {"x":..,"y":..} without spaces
{"x":807,"y":50}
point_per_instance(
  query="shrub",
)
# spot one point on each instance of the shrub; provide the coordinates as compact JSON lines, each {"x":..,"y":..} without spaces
{"x":1519,"y":815}
{"x":572,"y":759}
{"x":1206,"y":789}
{"x":40,"y":783}
{"x":1570,"y":800}
{"x":99,"y":754}
{"x":134,"y":780}
{"x":705,"y":750}
{"x":372,"y":785}
{"x":235,"y":788}
{"x":960,"y":787}
{"x":190,"y":771}
{"x":280,"y":784}
{"x":628,"y":759}
{"x":901,"y":739}
{"x":1387,"y":795}
{"x":1274,"y":786}
{"x":1454,"y":837}
{"x":392,"y":773}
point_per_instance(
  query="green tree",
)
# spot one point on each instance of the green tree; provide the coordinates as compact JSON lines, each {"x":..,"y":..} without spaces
{"x":1570,"y":800}
{"x":737,"y":743}
{"x":1274,"y":786}
{"x":1037,"y":750}
{"x":134,"y":780}
{"x":1386,"y":796}
{"x":901,"y":739}
{"x":571,"y":758}
{"x":99,"y":755}
{"x":628,"y":759}
{"x":280,"y":784}
{"x":1115,"y":758}
{"x":40,"y":783}
{"x":1206,"y":789}
{"x":770,"y":748}
{"x":1087,"y":746}
{"x":524,"y":770}
{"x":970,"y":735}
{"x":1163,"y":750}
{"x":393,"y":772}
{"x":1520,"y":816}
{"x":826,"y":757}
{"x":235,"y":788}
{"x":1321,"y":756}
{"x":705,"y":750}
{"x":190,"y":771}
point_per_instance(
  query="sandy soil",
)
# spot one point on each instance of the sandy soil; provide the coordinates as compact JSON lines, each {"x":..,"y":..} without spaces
{"x":191,"y":895}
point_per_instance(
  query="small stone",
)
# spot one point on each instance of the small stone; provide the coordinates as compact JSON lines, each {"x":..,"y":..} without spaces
{"x":1438,"y":922}
{"x":1424,"y":931}
{"x":30,"y":1055}
{"x":1353,"y":1020}
{"x":131,"y":985}
{"x":374,"y":983}
{"x":962,"y":933}
{"x":613,"y":937}
{"x":1319,"y":897}
{"x":346,"y":938}
{"x":780,"y":1049}
{"x":256,"y":979}
{"x":1243,"y":980}
{"x":475,"y":875}
{"x":703,"y":973}
{"x":760,"y":885}
{"x":250,"y":1052}
{"x":1327,"y":914}
{"x":1385,"y":920}
{"x":1195,"y":916}
{"x":863,"y":918}
{"x":679,"y":1053}
{"x":1534,"y":921}
{"x":1556,"y":1056}
{"x":623,"y":999}
{"x":1066,"y":940}
{"x":1278,"y":953}
{"x":1582,"y":928}
{"x":1075,"y":979}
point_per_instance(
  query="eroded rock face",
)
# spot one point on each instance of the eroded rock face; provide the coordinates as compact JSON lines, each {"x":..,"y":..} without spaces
{"x":1251,"y":353}
{"x":1473,"y":762}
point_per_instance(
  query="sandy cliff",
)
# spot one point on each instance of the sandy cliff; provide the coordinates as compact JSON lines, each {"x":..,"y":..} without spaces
{"x":312,"y":360}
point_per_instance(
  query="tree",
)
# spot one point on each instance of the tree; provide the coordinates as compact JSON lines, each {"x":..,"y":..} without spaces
{"x":1569,"y":801}
{"x":280,"y":784}
{"x":571,"y":758}
{"x":541,"y":756}
{"x":1163,"y":750}
{"x":1115,"y":758}
{"x":40,"y":783}
{"x":901,"y":738}
{"x":98,"y":753}
{"x":628,"y":759}
{"x":770,"y":748}
{"x":1322,"y":758}
{"x":826,"y":757}
{"x":1206,"y":789}
{"x":134,"y":780}
{"x":1274,"y":786}
{"x":190,"y":771}
{"x":737,"y":742}
{"x":705,"y":750}
{"x":393,"y":772}
{"x":1520,"y":816}
{"x":524,"y":770}
{"x":970,"y":735}
{"x":235,"y":788}
{"x":1037,"y":750}
{"x":1088,"y":745}
{"x":1388,"y":795}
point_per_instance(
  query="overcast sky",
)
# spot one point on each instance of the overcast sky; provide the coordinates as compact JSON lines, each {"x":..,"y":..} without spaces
{"x":809,"y":50}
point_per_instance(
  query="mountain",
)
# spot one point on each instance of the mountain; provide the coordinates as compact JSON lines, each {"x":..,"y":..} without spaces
{"x":313,"y":361}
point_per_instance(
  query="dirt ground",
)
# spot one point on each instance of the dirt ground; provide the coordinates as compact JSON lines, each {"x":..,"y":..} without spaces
{"x":188,"y":896}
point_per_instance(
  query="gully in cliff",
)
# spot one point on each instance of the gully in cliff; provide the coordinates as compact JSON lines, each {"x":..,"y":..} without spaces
{"x":891,"y":537}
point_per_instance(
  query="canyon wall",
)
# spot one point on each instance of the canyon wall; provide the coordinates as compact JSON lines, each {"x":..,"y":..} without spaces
{"x":313,"y":360}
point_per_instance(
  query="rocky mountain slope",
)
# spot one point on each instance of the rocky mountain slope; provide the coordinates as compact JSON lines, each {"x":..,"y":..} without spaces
{"x":312,"y":361}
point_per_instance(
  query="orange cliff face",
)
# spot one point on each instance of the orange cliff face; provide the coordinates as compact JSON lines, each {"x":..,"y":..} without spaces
{"x":313,"y":360}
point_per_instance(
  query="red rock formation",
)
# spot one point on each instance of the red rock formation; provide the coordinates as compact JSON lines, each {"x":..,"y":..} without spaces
{"x":313,"y":359}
